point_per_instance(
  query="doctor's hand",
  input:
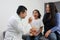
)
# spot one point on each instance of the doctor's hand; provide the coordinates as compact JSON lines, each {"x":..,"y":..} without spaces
{"x":30,"y":20}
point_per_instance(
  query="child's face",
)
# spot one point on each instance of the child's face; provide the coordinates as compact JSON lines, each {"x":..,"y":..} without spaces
{"x":35,"y":14}
{"x":23,"y":14}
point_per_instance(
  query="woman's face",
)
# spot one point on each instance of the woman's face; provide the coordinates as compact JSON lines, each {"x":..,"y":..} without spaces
{"x":35,"y":14}
{"x":47,"y":8}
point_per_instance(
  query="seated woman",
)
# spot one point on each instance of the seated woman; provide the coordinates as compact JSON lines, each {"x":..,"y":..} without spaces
{"x":36,"y":24}
{"x":51,"y":21}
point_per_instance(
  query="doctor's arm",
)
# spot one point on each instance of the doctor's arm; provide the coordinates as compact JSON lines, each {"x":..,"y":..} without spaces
{"x":15,"y":25}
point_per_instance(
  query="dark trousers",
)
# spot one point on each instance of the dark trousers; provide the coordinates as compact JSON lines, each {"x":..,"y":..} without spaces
{"x":58,"y":35}
{"x":28,"y":37}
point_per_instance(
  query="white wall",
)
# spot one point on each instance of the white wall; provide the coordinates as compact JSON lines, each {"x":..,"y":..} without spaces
{"x":46,"y":1}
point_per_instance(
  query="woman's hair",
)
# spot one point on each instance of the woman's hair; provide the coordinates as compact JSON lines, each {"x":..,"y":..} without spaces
{"x":53,"y":11}
{"x":39,"y":15}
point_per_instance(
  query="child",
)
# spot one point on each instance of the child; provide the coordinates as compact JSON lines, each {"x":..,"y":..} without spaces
{"x":36,"y":24}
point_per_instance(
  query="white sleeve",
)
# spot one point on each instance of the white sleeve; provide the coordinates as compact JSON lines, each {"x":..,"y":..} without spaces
{"x":41,"y":25}
{"x":15,"y":25}
{"x":27,"y":29}
{"x":40,"y":22}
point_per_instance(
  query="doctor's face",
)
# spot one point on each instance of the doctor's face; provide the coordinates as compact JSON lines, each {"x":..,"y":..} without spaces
{"x":23,"y":14}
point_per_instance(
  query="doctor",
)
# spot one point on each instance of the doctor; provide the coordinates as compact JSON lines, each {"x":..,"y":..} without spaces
{"x":16,"y":27}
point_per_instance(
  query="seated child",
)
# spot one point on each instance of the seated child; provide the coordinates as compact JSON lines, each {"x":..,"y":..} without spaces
{"x":37,"y":25}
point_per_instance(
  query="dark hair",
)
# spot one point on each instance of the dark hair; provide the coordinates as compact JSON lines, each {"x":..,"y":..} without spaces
{"x":21,"y":9}
{"x":39,"y":15}
{"x":53,"y":11}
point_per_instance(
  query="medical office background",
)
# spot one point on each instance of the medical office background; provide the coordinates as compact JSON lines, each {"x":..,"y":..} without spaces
{"x":8,"y":9}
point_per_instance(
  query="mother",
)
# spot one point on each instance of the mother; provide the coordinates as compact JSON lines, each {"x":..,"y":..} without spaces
{"x":51,"y":21}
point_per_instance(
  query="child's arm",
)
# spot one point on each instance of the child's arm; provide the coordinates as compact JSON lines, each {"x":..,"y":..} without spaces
{"x":40,"y":30}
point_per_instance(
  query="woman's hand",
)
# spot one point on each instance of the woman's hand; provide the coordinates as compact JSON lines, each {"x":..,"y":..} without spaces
{"x":47,"y":33}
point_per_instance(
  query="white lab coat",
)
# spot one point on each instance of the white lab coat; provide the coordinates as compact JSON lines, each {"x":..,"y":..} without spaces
{"x":16,"y":28}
